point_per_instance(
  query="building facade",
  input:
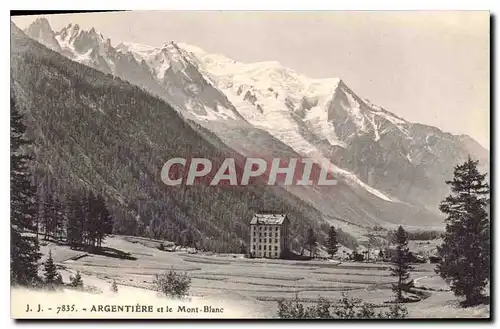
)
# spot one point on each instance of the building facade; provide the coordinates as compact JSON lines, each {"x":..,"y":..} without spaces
{"x":268,"y":235}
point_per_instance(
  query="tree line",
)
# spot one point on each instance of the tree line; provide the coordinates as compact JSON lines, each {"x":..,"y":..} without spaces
{"x":83,"y":220}
{"x":89,"y":220}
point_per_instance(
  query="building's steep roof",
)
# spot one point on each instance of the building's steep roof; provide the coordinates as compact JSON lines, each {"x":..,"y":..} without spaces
{"x":269,"y":219}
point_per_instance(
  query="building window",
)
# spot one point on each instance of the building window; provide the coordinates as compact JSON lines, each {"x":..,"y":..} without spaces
{"x":277,"y":228}
{"x":265,"y":254}
{"x":253,"y":247}
{"x":276,"y":234}
{"x":260,"y":240}
{"x":276,"y":254}
{"x":275,"y":247}
{"x":254,"y":240}
{"x":265,"y":234}
{"x":265,"y":247}
{"x":260,"y":247}
{"x":275,"y":240}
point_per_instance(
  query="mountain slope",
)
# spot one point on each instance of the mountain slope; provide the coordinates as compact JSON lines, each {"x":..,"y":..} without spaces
{"x":92,"y":131}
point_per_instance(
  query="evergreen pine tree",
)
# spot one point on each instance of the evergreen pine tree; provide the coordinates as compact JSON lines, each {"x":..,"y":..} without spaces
{"x":50,"y":271}
{"x":39,"y":211}
{"x":60,"y":219}
{"x":24,"y":250}
{"x":84,"y":206}
{"x":114,"y":287}
{"x":93,"y":219}
{"x":401,"y":263}
{"x":99,"y":222}
{"x":332,"y":244}
{"x":47,"y":216}
{"x":55,"y":217}
{"x":178,"y":241}
{"x":187,"y":238}
{"x":465,"y":252}
{"x":76,"y":281}
{"x":311,"y":240}
{"x":105,"y":223}
{"x":76,"y":219}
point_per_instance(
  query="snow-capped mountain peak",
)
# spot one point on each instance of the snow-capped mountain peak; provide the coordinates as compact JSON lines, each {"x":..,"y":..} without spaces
{"x":139,"y":50}
{"x":41,"y":31}
{"x":88,"y":47}
{"x":158,"y":59}
{"x":40,"y":23}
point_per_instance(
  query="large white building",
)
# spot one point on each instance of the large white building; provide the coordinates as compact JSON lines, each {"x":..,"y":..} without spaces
{"x":268,"y":235}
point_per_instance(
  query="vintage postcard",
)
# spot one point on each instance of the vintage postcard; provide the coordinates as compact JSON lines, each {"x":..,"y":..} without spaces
{"x":268,"y":165}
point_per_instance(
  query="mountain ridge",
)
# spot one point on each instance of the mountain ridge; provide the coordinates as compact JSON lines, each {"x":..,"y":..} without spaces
{"x":125,"y":48}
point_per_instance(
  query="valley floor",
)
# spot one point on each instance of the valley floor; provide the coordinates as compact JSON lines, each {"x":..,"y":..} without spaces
{"x":244,"y":287}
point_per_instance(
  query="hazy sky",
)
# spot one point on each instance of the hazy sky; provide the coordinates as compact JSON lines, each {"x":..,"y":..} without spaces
{"x":427,"y":67}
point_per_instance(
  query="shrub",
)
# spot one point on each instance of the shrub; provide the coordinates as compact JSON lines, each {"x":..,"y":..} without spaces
{"x":396,"y":311}
{"x":114,"y":287}
{"x":347,"y":308}
{"x":291,"y":310}
{"x":50,"y":273}
{"x":172,"y":284}
{"x":92,"y":289}
{"x":59,"y":280}
{"x":76,"y":281}
{"x":357,"y":257}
